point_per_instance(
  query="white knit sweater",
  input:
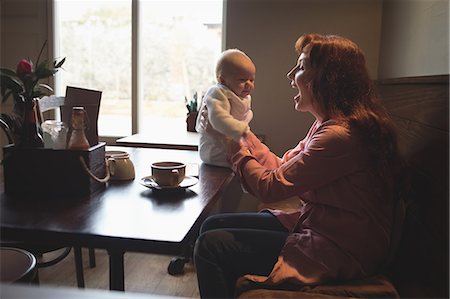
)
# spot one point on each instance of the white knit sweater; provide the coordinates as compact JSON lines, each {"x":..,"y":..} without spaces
{"x":222,"y":114}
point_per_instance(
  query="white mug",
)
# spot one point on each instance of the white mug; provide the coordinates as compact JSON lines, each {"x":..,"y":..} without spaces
{"x":120,"y":166}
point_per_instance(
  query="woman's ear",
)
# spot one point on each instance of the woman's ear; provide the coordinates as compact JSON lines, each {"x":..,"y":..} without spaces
{"x":221,"y":80}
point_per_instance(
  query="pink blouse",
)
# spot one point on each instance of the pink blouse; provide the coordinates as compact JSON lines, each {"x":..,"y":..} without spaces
{"x":343,"y":230}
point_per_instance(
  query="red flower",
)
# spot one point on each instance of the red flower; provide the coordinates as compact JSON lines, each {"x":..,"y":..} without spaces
{"x":23,"y":84}
{"x":24,"y":69}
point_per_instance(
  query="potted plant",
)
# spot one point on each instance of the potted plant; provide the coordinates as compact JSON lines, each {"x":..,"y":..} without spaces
{"x":192,"y":106}
{"x":23,"y":86}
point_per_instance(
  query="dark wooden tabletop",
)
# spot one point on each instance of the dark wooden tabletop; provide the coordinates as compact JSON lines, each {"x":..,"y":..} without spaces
{"x":174,"y":139}
{"x":126,"y":212}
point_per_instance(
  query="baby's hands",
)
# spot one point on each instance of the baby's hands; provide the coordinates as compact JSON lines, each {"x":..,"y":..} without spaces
{"x":248,"y":139}
{"x":233,"y":146}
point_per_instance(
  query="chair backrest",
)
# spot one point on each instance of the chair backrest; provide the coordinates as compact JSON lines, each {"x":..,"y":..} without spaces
{"x":48,"y":103}
{"x":89,"y":99}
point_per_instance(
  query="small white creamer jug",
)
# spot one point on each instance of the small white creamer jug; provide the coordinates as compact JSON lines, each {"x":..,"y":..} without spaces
{"x":120,"y":166}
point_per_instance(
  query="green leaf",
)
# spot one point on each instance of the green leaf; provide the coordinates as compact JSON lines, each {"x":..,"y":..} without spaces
{"x":14,"y":121}
{"x":44,"y":72}
{"x":11,"y":83}
{"x":37,"y":93}
{"x":40,"y":52}
{"x":18,"y":98}
{"x":59,"y":64}
{"x":7,"y":72}
{"x":45,"y":87}
{"x":6,"y":96}
{"x":41,"y":89}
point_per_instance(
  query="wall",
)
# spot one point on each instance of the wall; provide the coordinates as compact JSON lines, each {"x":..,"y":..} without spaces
{"x":415,"y":38}
{"x":400,"y":38}
{"x":23,"y":30}
{"x":267,"y":31}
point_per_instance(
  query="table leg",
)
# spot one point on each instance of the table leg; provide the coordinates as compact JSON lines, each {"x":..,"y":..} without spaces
{"x":79,"y":266}
{"x":91,"y":257}
{"x":116,"y":270}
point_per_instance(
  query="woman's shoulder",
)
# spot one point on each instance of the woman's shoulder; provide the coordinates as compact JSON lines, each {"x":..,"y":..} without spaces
{"x":336,"y":128}
{"x":336,"y":133}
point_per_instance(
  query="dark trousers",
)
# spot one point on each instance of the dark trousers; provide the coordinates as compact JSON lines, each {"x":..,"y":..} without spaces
{"x":235,"y":244}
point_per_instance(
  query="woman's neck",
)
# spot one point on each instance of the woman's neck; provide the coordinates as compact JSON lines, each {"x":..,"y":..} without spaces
{"x":321,"y":118}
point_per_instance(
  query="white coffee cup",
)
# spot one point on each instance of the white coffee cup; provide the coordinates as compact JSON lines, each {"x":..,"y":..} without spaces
{"x":121,"y":167}
{"x":169,"y":174}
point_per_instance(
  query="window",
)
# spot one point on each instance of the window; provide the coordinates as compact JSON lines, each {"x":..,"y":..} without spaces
{"x":169,"y":46}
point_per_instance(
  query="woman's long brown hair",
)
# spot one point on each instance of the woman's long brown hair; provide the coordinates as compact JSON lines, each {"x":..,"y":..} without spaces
{"x":343,"y":89}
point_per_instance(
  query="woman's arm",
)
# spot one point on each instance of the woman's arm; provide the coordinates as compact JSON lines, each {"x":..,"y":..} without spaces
{"x":260,"y":151}
{"x":327,"y":156}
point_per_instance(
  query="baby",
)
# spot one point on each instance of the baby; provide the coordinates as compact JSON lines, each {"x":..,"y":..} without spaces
{"x":225,"y":111}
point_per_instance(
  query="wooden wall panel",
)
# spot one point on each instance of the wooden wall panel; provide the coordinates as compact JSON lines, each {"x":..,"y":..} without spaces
{"x":419,"y":107}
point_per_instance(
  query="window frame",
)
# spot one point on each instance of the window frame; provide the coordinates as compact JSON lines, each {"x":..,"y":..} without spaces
{"x":136,"y":87}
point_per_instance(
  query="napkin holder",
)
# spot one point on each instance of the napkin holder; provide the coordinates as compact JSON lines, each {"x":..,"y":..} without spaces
{"x":44,"y":173}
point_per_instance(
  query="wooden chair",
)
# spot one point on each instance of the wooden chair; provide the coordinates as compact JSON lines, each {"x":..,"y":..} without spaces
{"x":18,"y":266}
{"x":90,"y":99}
{"x":39,"y":249}
{"x":62,"y":106}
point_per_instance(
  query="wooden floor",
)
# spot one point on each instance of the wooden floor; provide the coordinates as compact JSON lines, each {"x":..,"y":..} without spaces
{"x":144,"y":273}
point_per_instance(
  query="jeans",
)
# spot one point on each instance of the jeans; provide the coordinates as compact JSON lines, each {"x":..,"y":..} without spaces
{"x":232,"y":245}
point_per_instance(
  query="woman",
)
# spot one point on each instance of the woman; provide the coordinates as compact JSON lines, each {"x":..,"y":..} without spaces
{"x":343,"y":170}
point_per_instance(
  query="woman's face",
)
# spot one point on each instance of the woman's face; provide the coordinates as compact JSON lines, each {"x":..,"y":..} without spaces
{"x":300,"y":76}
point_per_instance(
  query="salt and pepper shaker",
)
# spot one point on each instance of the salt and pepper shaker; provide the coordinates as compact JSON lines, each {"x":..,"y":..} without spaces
{"x":78,"y":140}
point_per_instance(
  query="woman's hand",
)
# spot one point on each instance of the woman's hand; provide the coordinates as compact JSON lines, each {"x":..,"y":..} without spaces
{"x":250,"y":140}
{"x":232,"y":148}
{"x":246,"y":142}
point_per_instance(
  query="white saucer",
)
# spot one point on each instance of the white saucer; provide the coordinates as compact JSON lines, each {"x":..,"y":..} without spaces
{"x":188,"y":181}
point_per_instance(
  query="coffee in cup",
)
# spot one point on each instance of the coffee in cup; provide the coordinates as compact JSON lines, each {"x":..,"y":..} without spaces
{"x":120,"y":166}
{"x":169,"y":174}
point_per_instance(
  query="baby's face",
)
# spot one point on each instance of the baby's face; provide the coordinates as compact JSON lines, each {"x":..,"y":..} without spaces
{"x":241,"y":80}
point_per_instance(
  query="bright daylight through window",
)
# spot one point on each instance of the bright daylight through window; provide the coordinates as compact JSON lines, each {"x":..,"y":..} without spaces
{"x":179,"y":41}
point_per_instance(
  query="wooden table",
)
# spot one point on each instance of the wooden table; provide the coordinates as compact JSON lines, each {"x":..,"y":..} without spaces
{"x":125,"y":217}
{"x":165,"y":138}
